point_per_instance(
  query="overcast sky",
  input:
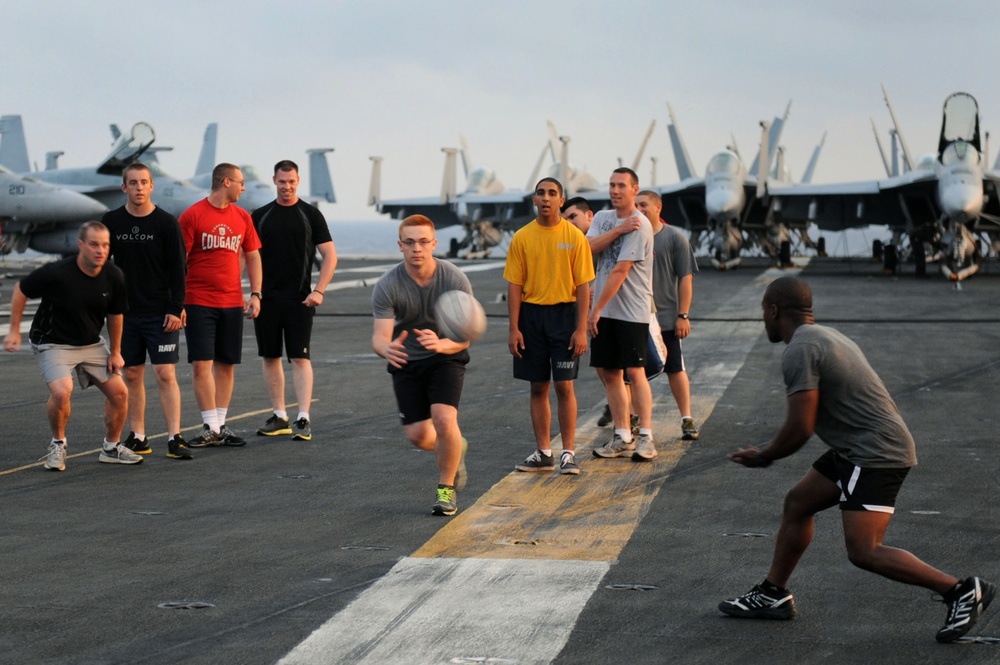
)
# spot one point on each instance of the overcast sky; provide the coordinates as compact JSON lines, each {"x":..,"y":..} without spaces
{"x":402,"y":79}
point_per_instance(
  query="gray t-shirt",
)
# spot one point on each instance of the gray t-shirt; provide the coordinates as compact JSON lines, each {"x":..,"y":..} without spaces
{"x":673,"y":258}
{"x":634,"y":300}
{"x":396,"y":296}
{"x":856,"y":415}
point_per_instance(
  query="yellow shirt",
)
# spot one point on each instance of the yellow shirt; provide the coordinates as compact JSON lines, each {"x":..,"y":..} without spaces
{"x":549,"y":262}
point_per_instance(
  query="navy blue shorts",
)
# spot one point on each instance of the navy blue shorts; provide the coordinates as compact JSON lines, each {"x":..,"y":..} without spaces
{"x":214,"y":333}
{"x":619,"y":344}
{"x":862,"y":488}
{"x":420,"y":383}
{"x":283,"y":319}
{"x":145,"y":334}
{"x":547,"y":331}
{"x":675,"y":359}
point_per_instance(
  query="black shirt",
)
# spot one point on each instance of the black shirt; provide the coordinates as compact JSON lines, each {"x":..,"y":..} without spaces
{"x":150,"y":251}
{"x":74,"y":304}
{"x":288,"y":237}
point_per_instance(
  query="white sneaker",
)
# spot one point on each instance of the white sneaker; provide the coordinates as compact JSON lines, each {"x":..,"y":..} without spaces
{"x":645,"y":449}
{"x":616,"y":447}
{"x":55,"y":459}
{"x":120,"y":455}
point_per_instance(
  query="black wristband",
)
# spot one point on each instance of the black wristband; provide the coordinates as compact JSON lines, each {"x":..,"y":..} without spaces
{"x":256,"y":293}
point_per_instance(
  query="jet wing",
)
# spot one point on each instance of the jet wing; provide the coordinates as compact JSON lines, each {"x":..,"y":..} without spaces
{"x":906,"y":201}
{"x":509,"y":210}
{"x":430,"y":206}
{"x":684,"y":204}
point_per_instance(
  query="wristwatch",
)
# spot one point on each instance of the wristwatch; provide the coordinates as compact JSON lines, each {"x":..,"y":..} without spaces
{"x":256,"y":293}
{"x":682,"y":316}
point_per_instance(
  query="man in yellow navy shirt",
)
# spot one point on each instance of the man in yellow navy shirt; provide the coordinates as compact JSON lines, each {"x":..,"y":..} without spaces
{"x":549,"y":270}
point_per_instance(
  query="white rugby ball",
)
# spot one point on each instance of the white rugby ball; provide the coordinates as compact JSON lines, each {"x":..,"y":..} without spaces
{"x":460,"y":317}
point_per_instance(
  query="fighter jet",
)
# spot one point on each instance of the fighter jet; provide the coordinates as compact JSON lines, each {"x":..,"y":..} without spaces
{"x":34,"y":214}
{"x":939,"y":204}
{"x":731,"y":203}
{"x":99,"y":183}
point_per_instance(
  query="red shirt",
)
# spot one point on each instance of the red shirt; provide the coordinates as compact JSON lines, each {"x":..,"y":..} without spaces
{"x":213,"y":239}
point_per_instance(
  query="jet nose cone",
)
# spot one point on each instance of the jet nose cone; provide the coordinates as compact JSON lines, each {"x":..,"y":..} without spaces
{"x":962,"y":200}
{"x":66,"y":206}
{"x":723,"y":201}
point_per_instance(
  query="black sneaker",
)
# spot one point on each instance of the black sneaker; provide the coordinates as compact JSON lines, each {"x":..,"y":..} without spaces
{"x":567,"y":464}
{"x":205,"y":439}
{"x":275,"y":426}
{"x":447,"y":502}
{"x":537,"y":461}
{"x":230,"y":438}
{"x":605,"y":418}
{"x":759,"y":603}
{"x":137,"y":446}
{"x":177,"y":448}
{"x":966,"y":603}
{"x":689,"y":429}
{"x":302,"y":430}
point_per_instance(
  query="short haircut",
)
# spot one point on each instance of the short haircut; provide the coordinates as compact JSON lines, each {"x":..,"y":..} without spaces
{"x":653,"y":196}
{"x":135,"y":166}
{"x":286,"y":165}
{"x":790,"y":294}
{"x":579,"y":202}
{"x":87,"y":226}
{"x":553,"y":181}
{"x":221,"y":172}
{"x":416,"y":220}
{"x":630,"y":172}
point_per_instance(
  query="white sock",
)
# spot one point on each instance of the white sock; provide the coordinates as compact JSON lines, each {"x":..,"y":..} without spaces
{"x":61,"y":441}
{"x":220,"y":413}
{"x":211,"y":418}
{"x":303,"y":414}
{"x":140,"y":435}
{"x":547,"y":453}
{"x":109,"y":445}
{"x":281,"y":413}
{"x":647,"y":431}
{"x":625,"y":434}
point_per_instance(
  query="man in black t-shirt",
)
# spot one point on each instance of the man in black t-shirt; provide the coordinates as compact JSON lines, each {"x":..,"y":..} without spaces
{"x":78,"y":293}
{"x":290,"y":232}
{"x":146,"y":244}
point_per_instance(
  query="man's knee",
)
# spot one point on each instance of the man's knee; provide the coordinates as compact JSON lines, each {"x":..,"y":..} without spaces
{"x":539,"y":388}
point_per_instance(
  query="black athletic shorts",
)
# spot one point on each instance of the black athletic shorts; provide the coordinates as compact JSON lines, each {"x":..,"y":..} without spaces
{"x":619,"y":344}
{"x":675,"y":359}
{"x":145,"y":334}
{"x":547,"y":331}
{"x":282,"y":318}
{"x":214,"y":333}
{"x":420,"y":383}
{"x":862,"y":488}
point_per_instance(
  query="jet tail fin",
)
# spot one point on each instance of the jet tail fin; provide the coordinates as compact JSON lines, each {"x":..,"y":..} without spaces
{"x":642,"y":146}
{"x":681,"y":157}
{"x":907,"y":162}
{"x":449,"y":187}
{"x":466,"y":158}
{"x":763,"y":157}
{"x":564,"y":161}
{"x":762,"y":163}
{"x":128,"y":148}
{"x":881,"y":150}
{"x":320,"y":181}
{"x":13,"y":149}
{"x":807,"y":176}
{"x":375,"y":185}
{"x":206,"y":158}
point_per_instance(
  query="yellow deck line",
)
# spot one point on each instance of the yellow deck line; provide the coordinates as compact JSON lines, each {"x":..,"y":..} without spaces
{"x":589,"y":517}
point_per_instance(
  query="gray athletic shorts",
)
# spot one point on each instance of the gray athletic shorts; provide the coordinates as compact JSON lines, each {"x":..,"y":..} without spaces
{"x":59,"y":360}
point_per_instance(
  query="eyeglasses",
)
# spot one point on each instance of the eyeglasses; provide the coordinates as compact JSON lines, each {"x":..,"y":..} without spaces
{"x":238,"y":182}
{"x":423,"y":242}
